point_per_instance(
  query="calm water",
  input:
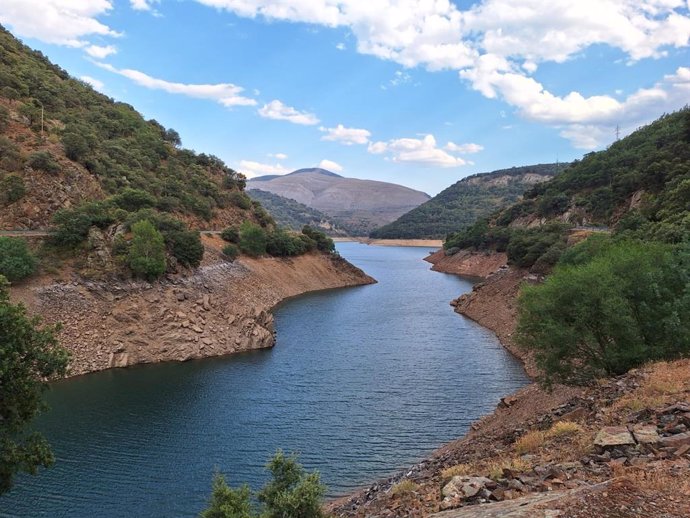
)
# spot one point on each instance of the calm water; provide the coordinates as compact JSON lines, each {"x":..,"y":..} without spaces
{"x":363,"y":381}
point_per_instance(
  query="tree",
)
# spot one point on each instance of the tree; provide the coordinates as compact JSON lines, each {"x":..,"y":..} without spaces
{"x":627,"y":305}
{"x":12,"y":188}
{"x":227,"y":502}
{"x":291,"y":493}
{"x":28,"y":355}
{"x":185,"y":246}
{"x":16,"y":260}
{"x":252,"y":239}
{"x":146,"y":256}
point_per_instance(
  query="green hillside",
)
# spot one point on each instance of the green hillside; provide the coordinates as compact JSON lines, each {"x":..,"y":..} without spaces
{"x":464,"y":202}
{"x":294,"y":215}
{"x":639,"y":187}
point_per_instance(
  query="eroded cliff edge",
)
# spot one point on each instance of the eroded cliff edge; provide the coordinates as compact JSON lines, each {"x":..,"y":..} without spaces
{"x":220,"y":308}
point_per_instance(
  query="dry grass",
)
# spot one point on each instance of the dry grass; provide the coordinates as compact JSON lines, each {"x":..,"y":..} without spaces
{"x":494,"y":469}
{"x":404,"y":488}
{"x":661,"y":480}
{"x":530,"y":442}
{"x":460,"y":470}
{"x":564,"y":429}
{"x":662,"y":384}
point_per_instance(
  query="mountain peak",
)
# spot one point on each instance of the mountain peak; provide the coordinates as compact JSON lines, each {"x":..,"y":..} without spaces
{"x":316,"y":170}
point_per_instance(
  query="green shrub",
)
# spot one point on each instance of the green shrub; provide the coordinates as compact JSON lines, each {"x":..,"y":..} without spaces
{"x":262,"y":216}
{"x":4,"y":118}
{"x":323,"y":242}
{"x":227,"y":502}
{"x":133,"y":200}
{"x":16,"y":260}
{"x":231,"y":235}
{"x":146,"y":256}
{"x":43,"y":161}
{"x":627,"y":305}
{"x":231,"y":252}
{"x":12,"y":188}
{"x":10,"y":157}
{"x":241,"y":200}
{"x":72,"y":225}
{"x":282,"y":244}
{"x":185,"y":246}
{"x":252,"y":239}
{"x":76,"y":146}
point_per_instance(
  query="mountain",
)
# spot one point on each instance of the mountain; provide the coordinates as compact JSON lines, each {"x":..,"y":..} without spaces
{"x":462,"y":203}
{"x":361,"y":205}
{"x":639,"y":187}
{"x":294,"y":215}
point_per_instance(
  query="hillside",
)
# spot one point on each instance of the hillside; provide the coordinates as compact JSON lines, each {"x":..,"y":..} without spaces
{"x":465,"y":201}
{"x":63,"y":144}
{"x":639,"y":187}
{"x":294,"y":215}
{"x":361,"y":205}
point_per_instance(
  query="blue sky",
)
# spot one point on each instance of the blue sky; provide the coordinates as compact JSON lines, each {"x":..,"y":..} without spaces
{"x":420,"y":93}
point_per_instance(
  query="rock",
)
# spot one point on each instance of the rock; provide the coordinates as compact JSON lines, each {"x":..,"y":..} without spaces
{"x":682,"y":450}
{"x":180,"y":296}
{"x":465,"y":487}
{"x":613,"y":436}
{"x":676,"y":441}
{"x":646,"y":434}
{"x":197,"y":329}
{"x":206,"y":302}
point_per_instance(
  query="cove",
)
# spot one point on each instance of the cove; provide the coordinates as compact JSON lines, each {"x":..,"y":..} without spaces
{"x":362,"y":382}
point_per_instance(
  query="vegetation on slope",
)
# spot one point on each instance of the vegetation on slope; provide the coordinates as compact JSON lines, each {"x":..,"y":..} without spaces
{"x":619,"y":298}
{"x":294,"y":215}
{"x":469,"y":199}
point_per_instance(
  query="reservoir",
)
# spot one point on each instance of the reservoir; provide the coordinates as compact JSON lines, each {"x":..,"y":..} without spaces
{"x":362,"y":382}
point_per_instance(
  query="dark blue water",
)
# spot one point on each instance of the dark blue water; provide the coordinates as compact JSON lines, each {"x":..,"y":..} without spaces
{"x":363,"y":381}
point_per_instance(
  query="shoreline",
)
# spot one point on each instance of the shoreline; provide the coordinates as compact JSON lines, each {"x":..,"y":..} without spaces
{"x":218,"y":309}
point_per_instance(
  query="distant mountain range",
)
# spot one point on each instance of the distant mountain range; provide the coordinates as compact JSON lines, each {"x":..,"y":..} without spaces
{"x":461,"y":204}
{"x":360,"y":205}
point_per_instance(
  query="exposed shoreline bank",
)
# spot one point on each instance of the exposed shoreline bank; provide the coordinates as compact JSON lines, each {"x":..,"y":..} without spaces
{"x":218,"y":309}
{"x":429,"y":243}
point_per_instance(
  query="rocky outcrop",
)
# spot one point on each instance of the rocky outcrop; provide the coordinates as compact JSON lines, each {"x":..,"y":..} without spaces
{"x":221,"y":308}
{"x":465,"y":262}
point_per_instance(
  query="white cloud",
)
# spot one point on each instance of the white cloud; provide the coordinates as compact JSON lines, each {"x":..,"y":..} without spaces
{"x":279,"y":156}
{"x":62,"y":22}
{"x":463,"y":149}
{"x":226,"y":94}
{"x":497,"y":45}
{"x":142,"y":5}
{"x":100,"y":52}
{"x":419,"y":151}
{"x":330,"y":165}
{"x":252,"y":169}
{"x":340,"y":46}
{"x":98,"y":85}
{"x":347,"y":136}
{"x":278,"y":111}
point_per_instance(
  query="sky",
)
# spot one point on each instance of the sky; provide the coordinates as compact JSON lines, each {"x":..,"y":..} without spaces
{"x":416,"y":92}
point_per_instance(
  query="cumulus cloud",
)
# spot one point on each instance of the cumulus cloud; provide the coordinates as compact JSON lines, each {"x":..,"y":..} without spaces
{"x":346,"y":136}
{"x":62,"y":22}
{"x":330,"y":165}
{"x":226,"y":94}
{"x":498,"y":45}
{"x":252,"y":169}
{"x":463,"y":149}
{"x":279,"y":156}
{"x":97,"y":84}
{"x":418,"y":151}
{"x":278,"y":111}
{"x":100,"y":52}
{"x":142,"y":5}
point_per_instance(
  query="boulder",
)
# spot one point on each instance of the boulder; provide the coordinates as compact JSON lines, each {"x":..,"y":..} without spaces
{"x":465,"y":487}
{"x":611,"y":436}
{"x":646,"y":434}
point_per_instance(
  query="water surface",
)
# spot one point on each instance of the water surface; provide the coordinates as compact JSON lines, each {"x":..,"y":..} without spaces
{"x":363,"y":381}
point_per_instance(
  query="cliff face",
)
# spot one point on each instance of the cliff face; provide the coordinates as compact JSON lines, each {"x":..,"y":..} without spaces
{"x":221,"y":308}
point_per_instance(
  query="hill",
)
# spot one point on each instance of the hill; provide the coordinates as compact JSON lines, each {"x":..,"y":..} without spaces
{"x":294,"y":215}
{"x":639,"y":186}
{"x":465,"y":201}
{"x":62,"y":144}
{"x":360,"y":205}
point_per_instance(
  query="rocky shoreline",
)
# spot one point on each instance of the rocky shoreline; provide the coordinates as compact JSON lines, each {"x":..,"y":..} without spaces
{"x":220,"y":308}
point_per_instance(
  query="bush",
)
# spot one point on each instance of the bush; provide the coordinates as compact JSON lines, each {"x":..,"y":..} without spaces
{"x":72,"y":225}
{"x":16,"y":261}
{"x":241,"y":200}
{"x":252,"y":239}
{"x":133,"y":200}
{"x":291,"y":493}
{"x":231,"y":252}
{"x":146,"y":256}
{"x":231,"y":235}
{"x":4,"y":118}
{"x":12,"y":189}
{"x":43,"y":161}
{"x":323,"y":242}
{"x":282,"y":244}
{"x":76,"y":146}
{"x":185,"y":246}
{"x":627,"y":305}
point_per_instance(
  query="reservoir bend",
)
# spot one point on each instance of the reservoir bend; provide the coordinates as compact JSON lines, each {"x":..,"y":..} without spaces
{"x":362,"y":382}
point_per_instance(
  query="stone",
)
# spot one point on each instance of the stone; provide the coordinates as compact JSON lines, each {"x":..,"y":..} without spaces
{"x":676,"y":441}
{"x":613,"y":436}
{"x":646,"y":434}
{"x":682,"y":450}
{"x":464,"y":487}
{"x":197,"y":329}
